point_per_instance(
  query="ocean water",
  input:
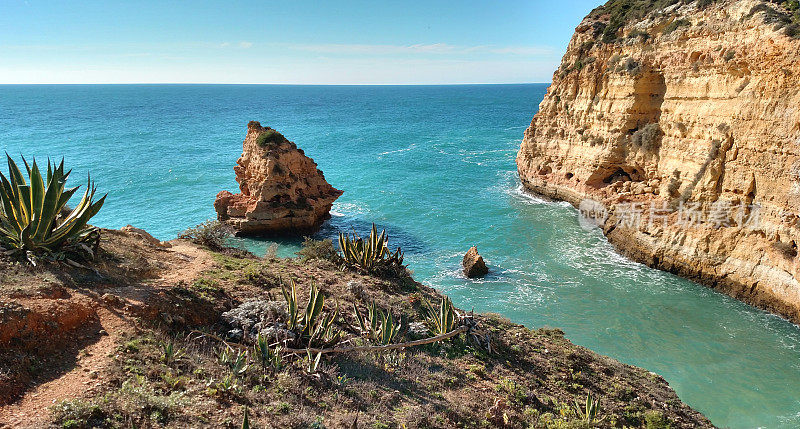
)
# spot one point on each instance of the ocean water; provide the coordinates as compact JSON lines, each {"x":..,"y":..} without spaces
{"x":434,"y":165}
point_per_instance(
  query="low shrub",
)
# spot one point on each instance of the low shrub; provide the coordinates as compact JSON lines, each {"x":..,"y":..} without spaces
{"x":638,"y":34}
{"x":729,"y":55}
{"x":268,"y":137}
{"x":78,"y":413}
{"x":655,"y":420}
{"x":647,"y":137}
{"x":136,"y":404}
{"x":212,"y":234}
{"x":674,"y":25}
{"x":626,"y":65}
{"x":318,"y":249}
{"x":787,"y":250}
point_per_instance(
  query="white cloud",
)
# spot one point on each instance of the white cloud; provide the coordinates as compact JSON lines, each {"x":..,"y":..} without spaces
{"x":245,"y":45}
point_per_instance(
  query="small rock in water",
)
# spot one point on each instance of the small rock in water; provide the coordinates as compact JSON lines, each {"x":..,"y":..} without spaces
{"x":473,"y":264}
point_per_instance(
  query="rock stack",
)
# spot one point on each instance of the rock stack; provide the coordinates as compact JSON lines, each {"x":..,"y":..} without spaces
{"x":473,"y":264}
{"x":282,"y":191}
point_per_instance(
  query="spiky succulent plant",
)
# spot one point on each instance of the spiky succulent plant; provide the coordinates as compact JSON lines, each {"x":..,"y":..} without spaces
{"x":31,"y":219}
{"x":372,"y":254}
{"x":312,"y":327}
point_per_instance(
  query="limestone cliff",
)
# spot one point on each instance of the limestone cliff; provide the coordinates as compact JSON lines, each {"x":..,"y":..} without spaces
{"x":282,"y":191}
{"x":684,"y":125}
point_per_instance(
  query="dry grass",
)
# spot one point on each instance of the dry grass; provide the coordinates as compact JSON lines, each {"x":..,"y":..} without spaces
{"x":531,"y":378}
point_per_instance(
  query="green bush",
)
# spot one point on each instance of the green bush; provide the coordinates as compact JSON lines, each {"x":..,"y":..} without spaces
{"x":270,"y":136}
{"x":318,"y":249}
{"x":31,"y":220}
{"x":656,"y":420}
{"x":75,"y":414}
{"x":674,"y":25}
{"x":212,"y":234}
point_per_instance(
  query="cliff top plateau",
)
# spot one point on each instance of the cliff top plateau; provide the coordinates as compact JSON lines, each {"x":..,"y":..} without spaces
{"x":186,"y":336}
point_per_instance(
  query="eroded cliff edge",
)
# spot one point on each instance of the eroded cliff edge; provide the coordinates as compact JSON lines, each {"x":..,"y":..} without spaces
{"x":684,"y":124}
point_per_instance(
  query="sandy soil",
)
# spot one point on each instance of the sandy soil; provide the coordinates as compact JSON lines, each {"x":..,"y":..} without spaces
{"x":97,"y":343}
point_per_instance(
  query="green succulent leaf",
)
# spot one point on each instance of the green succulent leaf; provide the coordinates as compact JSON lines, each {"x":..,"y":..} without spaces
{"x":30,"y":210}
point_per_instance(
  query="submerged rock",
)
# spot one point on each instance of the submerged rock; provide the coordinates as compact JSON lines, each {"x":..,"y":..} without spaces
{"x":473,"y":264}
{"x":282,"y":191}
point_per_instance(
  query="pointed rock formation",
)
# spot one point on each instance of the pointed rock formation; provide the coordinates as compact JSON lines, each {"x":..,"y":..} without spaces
{"x":473,"y":264}
{"x":282,"y":191}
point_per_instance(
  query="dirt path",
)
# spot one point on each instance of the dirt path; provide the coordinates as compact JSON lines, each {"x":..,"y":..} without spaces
{"x":196,"y":261}
{"x":32,"y":411}
{"x":81,"y":377}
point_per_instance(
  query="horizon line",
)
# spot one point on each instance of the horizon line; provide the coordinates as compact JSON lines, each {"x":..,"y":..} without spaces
{"x":278,"y":84}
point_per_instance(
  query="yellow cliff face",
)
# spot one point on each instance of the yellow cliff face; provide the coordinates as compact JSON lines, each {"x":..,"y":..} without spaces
{"x":687,"y":130}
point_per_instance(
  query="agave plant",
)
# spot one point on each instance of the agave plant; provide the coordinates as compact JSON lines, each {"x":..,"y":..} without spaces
{"x":312,"y":363}
{"x":30,"y":211}
{"x":245,"y":420}
{"x":236,"y":361}
{"x":370,"y":255}
{"x":311,"y":326}
{"x":588,"y":412}
{"x":267,"y":356}
{"x":170,"y":353}
{"x":444,"y":319}
{"x":379,"y":326}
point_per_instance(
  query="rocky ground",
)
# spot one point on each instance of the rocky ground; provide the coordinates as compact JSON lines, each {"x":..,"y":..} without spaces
{"x":139,"y":341}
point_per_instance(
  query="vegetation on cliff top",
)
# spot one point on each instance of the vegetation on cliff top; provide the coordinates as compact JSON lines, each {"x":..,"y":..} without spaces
{"x":270,"y":136}
{"x":180,"y":364}
{"x":622,"y":12}
{"x":618,"y":13}
{"x":784,"y":15}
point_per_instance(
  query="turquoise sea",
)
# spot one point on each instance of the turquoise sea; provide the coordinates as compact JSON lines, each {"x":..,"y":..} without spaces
{"x":434,"y":165}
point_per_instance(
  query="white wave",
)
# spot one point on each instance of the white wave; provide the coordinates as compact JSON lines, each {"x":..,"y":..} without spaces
{"x":522,"y":194}
{"x":348,"y":209}
{"x":413,"y":145}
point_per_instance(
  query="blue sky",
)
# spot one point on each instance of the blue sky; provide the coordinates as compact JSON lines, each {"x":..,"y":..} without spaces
{"x":303,"y":42}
